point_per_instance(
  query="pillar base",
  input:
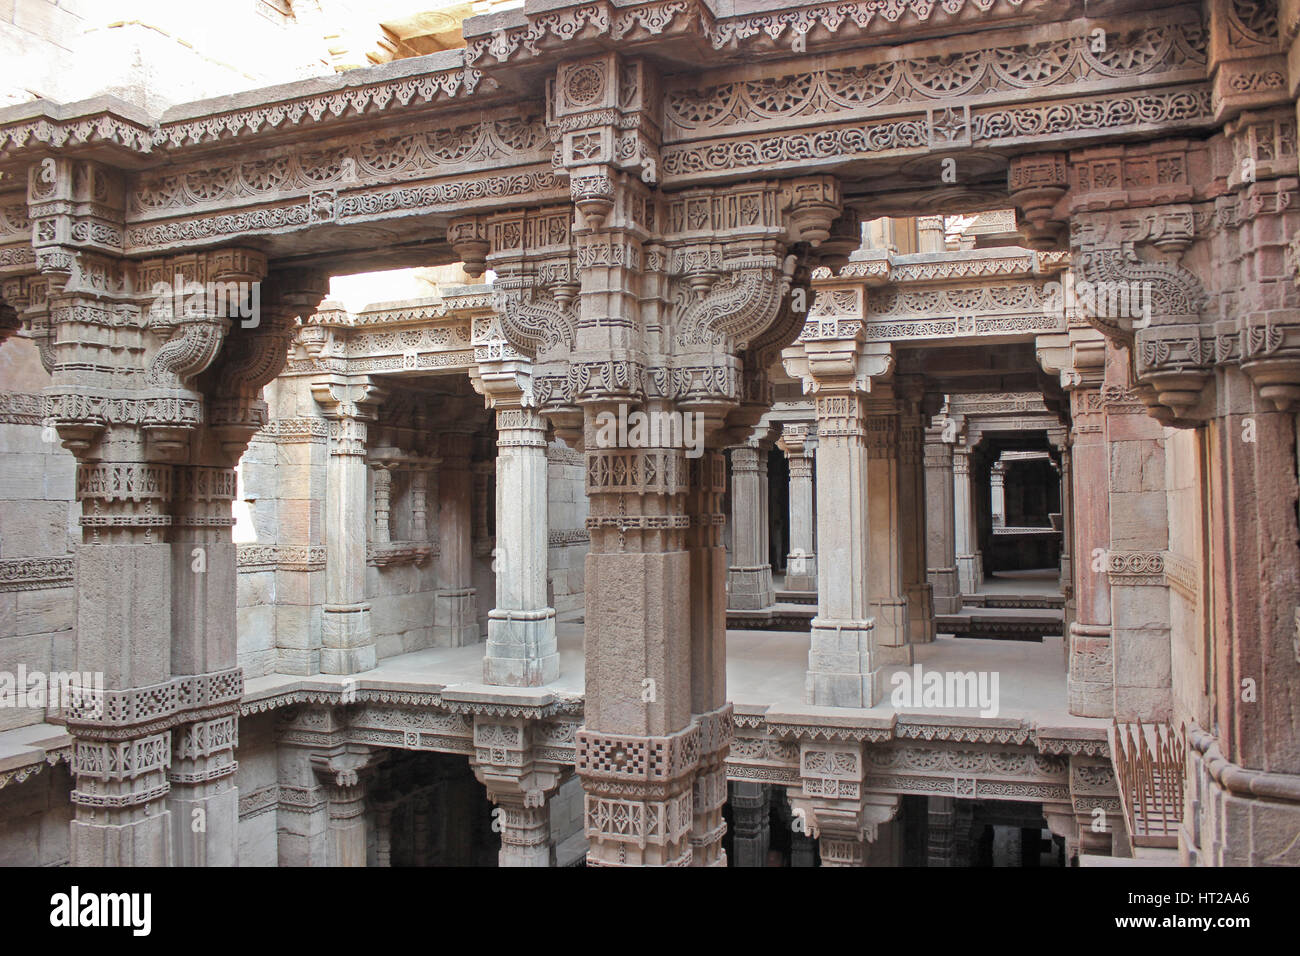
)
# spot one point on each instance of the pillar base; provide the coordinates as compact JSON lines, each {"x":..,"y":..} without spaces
{"x":920,"y":605}
{"x":750,"y":589}
{"x":347,"y":646}
{"x":144,"y":842}
{"x":970,"y":572}
{"x":892,"y":627}
{"x":521,"y":648}
{"x":1090,"y":685}
{"x":946,"y":593}
{"x":801,"y":572}
{"x":843,"y":670}
{"x":455,"y":617}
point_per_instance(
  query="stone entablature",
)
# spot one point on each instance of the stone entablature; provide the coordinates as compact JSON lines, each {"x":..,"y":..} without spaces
{"x":942,"y":297}
{"x":421,"y":335}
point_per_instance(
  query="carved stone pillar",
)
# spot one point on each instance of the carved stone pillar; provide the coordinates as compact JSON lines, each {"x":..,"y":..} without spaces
{"x":1091,"y":678}
{"x":382,"y":478}
{"x":803,"y":850}
{"x":831,"y":805}
{"x":519,"y":784}
{"x":521,"y":647}
{"x":155,"y":570}
{"x":1061,"y":439}
{"x":939,"y":849}
{"x":886,"y":588}
{"x":940,"y":522}
{"x":455,"y":603}
{"x":970,"y":564}
{"x":912,"y":519}
{"x":707,"y":477}
{"x":420,"y":502}
{"x":997,"y":493}
{"x":750,"y":815}
{"x":1139,"y":537}
{"x":843,"y":658}
{"x":346,"y":810}
{"x":801,"y":563}
{"x":347,"y":643}
{"x":383,"y":817}
{"x":749,"y":579}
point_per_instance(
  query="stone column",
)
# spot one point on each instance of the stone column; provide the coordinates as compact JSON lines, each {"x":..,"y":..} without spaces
{"x":642,"y":639}
{"x":803,"y":850}
{"x":749,"y":580}
{"x":939,"y":830}
{"x":382,"y":478}
{"x":912,"y":518}
{"x":801,"y":563}
{"x":1091,"y":678}
{"x":521,"y":646}
{"x":383,"y":817}
{"x":346,"y":810}
{"x":940,"y":521}
{"x":711,"y":713}
{"x":455,"y":603}
{"x":970,"y":565}
{"x":1139,"y":537}
{"x":886,"y":587}
{"x":203,"y":801}
{"x":420,"y":501}
{"x":155,"y":572}
{"x":843,"y":663}
{"x":519,"y":784}
{"x":1060,"y":438}
{"x":997,"y":493}
{"x":929,"y":231}
{"x":749,"y":812}
{"x":843,"y":658}
{"x":347,"y":644}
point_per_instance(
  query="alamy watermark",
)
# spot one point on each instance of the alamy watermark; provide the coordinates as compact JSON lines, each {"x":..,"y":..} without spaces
{"x":1105,"y":300}
{"x":79,"y":691}
{"x":638,"y":429}
{"x":919,"y":689}
{"x":196,"y":300}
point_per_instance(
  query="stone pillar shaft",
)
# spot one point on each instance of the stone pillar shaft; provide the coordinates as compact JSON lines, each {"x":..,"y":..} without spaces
{"x":970,"y":566}
{"x":521,"y":647}
{"x":455,"y":603}
{"x":886,"y":586}
{"x":749,"y":580}
{"x":750,"y":813}
{"x":940,"y":523}
{"x":1091,"y":677}
{"x":912,"y":530}
{"x":801,"y":563}
{"x":843,"y":668}
{"x":347,"y":644}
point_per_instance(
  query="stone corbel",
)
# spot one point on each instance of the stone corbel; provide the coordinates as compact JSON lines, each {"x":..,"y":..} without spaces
{"x":345,"y":764}
{"x":532,"y":317}
{"x":838,"y":364}
{"x":469,"y":237}
{"x":1037,"y":183}
{"x":831,"y":801}
{"x":592,"y":191}
{"x":812,"y":205}
{"x":349,"y":402}
{"x":505,"y":383}
{"x":740,"y":305}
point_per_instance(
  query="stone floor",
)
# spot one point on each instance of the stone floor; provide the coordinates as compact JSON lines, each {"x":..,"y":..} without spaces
{"x":765,"y":669}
